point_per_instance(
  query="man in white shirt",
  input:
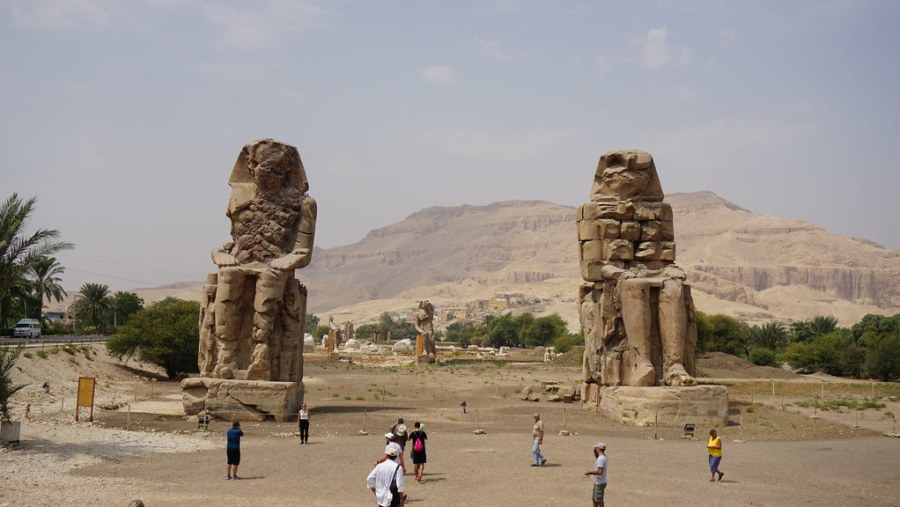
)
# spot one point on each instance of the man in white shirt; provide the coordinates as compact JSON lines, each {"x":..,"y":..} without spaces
{"x":599,"y":473}
{"x":383,"y":475}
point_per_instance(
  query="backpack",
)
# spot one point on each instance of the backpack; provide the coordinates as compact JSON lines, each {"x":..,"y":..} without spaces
{"x":419,"y":446}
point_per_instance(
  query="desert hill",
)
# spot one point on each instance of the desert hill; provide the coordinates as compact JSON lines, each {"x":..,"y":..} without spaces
{"x":749,"y":266}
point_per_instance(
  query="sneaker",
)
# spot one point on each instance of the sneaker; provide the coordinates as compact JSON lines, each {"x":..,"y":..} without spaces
{"x":720,"y":475}
{"x":544,"y":460}
{"x":235,"y":477}
{"x":712,"y":480}
{"x":535,"y":465}
{"x":227,"y":477}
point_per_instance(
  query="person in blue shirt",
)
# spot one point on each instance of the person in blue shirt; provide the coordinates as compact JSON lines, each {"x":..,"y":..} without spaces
{"x":233,"y":450}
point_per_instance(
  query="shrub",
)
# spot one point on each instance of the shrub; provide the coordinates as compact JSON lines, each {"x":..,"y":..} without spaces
{"x":42,"y":354}
{"x":762,"y":356}
{"x":565,"y":342}
{"x":28,"y":355}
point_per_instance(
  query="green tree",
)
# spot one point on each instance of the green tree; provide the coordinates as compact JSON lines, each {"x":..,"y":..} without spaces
{"x":19,"y":251}
{"x":805,"y":331}
{"x":721,"y":333}
{"x":502,"y":331}
{"x":462,"y":332}
{"x":122,"y":306}
{"x":8,"y":358}
{"x":365,"y":331}
{"x":311,"y":322}
{"x":165,"y":333}
{"x":92,"y":303}
{"x":834,"y":353}
{"x":771,"y":336}
{"x":882,"y":356}
{"x":542,"y":331}
{"x":45,"y":277}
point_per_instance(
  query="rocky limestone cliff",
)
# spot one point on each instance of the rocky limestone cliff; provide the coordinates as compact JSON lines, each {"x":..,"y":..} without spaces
{"x":529,"y":246}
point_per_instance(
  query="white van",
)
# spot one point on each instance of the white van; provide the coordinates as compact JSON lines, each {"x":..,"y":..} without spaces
{"x":27,"y":328}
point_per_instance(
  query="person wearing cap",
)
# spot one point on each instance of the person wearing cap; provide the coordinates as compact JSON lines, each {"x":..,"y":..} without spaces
{"x":599,"y":473}
{"x":537,"y":438}
{"x":400,"y":435}
{"x":385,"y":480}
{"x":714,"y":449}
{"x":391,"y":444}
{"x":233,"y":450}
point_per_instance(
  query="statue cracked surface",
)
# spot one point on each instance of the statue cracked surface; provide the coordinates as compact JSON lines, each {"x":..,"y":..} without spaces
{"x":636,"y":310}
{"x":253,"y":317}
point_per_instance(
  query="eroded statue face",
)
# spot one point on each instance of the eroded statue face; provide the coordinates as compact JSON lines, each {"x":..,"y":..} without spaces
{"x":626,"y":177}
{"x":270,"y":165}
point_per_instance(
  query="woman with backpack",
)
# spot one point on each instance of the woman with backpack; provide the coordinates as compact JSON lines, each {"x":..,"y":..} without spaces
{"x":417,"y":438}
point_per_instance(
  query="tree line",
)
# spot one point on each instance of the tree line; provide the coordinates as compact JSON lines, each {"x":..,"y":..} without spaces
{"x":869,"y":348}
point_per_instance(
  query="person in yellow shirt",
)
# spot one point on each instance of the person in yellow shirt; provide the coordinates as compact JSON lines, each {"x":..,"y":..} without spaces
{"x":714,"y":449}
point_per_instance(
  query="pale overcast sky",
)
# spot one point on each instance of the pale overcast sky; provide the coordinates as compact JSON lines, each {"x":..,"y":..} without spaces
{"x":124,"y":118}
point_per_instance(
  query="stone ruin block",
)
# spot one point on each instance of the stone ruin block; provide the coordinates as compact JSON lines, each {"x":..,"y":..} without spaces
{"x":648,"y":251}
{"x":607,"y":250}
{"x":668,"y":251}
{"x":630,"y":230}
{"x":648,"y":210}
{"x":603,"y":228}
{"x":651,"y":230}
{"x":615,"y":211}
{"x":668,"y":231}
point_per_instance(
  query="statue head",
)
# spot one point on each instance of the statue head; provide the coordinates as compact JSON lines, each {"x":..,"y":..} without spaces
{"x":267,"y":168}
{"x":626,"y":174}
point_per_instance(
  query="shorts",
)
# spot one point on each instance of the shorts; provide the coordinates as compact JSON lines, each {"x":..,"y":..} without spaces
{"x":714,"y":463}
{"x":599,"y":490}
{"x":234,"y":456}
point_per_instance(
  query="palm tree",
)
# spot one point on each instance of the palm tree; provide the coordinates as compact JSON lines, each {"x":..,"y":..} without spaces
{"x":8,"y":359}
{"x":770,"y":335}
{"x":18,"y":251}
{"x":45,"y":279}
{"x":91,"y":303}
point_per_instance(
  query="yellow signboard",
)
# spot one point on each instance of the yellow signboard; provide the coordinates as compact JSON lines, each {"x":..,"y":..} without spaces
{"x":85,"y":395}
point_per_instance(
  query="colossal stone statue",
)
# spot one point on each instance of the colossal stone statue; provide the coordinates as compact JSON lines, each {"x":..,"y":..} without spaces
{"x":636,"y":310}
{"x":425,"y":326}
{"x":253,"y":310}
{"x":259,"y":306}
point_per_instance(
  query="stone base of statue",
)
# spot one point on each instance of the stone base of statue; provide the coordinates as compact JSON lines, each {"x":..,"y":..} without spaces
{"x":257,"y":400}
{"x":426,"y":359}
{"x":667,"y":406}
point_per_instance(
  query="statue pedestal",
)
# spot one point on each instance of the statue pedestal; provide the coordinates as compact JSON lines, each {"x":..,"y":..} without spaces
{"x":673,"y":406}
{"x":257,"y":400}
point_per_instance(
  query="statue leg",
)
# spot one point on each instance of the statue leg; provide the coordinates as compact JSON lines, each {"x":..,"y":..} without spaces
{"x":292,"y":349}
{"x":228,"y":320}
{"x":635,"y":297}
{"x":672,"y":330}
{"x":266,"y":305}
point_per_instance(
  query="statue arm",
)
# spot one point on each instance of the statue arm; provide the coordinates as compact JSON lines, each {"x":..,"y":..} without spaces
{"x":301,"y":253}
{"x":222,"y":256}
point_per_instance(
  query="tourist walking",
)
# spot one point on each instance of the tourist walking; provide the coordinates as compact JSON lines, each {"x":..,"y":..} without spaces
{"x":386,"y":481}
{"x":304,"y":424}
{"x":599,"y":473}
{"x":390,"y":443}
{"x":417,"y":439}
{"x":400,"y":434}
{"x":714,"y":449}
{"x":537,"y":438}
{"x":233,"y":450}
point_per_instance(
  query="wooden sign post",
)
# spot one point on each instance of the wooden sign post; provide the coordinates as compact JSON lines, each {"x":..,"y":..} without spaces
{"x":85,"y":395}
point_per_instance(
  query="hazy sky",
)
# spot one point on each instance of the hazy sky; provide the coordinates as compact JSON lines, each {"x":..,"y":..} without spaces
{"x":124,"y":118}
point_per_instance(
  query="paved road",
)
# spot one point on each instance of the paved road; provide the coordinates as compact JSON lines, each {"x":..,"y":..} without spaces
{"x":51,"y":341}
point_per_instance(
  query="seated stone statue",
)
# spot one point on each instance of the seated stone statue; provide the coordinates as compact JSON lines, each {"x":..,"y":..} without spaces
{"x":636,"y":312}
{"x":259,"y":306}
{"x":425,"y":326}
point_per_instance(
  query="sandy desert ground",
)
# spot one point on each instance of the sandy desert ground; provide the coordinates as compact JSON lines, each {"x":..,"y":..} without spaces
{"x":777,"y":457}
